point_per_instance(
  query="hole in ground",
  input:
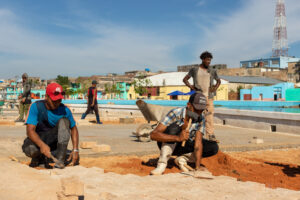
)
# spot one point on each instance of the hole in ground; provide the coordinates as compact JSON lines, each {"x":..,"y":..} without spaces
{"x":251,"y":169}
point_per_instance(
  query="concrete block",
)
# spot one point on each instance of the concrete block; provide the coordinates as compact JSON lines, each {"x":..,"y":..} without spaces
{"x":126,"y":120}
{"x":87,"y":145}
{"x":257,"y":141}
{"x":101,"y":148}
{"x":72,"y":186}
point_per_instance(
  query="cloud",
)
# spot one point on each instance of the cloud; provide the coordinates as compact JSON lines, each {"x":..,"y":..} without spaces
{"x":107,"y":48}
{"x":248,"y":32}
{"x":200,"y":3}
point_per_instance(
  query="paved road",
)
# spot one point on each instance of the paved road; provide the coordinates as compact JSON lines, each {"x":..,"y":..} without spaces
{"x":122,"y":142}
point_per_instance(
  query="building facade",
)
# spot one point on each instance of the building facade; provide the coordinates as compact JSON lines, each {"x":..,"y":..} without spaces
{"x":266,"y":93}
{"x":273,"y":62}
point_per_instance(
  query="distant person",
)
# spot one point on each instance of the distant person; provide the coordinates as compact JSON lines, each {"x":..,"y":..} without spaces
{"x":24,"y":98}
{"x":50,"y":124}
{"x":171,"y":132}
{"x":92,"y":102}
{"x":204,"y":77}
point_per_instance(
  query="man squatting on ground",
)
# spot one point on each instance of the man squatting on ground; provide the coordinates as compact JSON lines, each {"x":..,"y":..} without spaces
{"x":49,"y":127}
{"x":92,"y":102}
{"x":171,"y":132}
{"x":25,"y":99}
{"x":203,"y":77}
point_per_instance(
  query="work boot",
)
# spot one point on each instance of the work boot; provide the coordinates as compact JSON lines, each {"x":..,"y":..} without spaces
{"x":165,"y":153}
{"x":36,"y":161}
{"x":181,"y":161}
{"x":61,"y":155}
{"x":98,"y":120}
{"x":161,"y":167}
{"x":83,"y":116}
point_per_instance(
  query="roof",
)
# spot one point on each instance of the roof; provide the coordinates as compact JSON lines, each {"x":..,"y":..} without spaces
{"x":251,"y":79}
{"x":168,"y":79}
{"x":172,"y":79}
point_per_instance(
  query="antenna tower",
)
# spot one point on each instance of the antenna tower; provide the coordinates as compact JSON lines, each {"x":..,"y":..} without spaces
{"x":280,"y":42}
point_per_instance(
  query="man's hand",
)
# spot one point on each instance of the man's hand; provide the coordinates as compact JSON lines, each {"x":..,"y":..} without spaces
{"x":184,"y":135}
{"x":213,"y":89}
{"x":74,"y":156}
{"x":45,"y":149}
{"x":92,"y":105}
{"x":193,"y":87}
{"x":23,"y":100}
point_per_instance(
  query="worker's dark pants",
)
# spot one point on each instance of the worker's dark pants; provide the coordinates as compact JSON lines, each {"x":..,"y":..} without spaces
{"x":210,"y":148}
{"x":58,"y":136}
{"x":89,"y":109}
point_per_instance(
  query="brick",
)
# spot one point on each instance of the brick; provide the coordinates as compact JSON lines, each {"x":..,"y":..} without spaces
{"x":101,"y":148}
{"x":87,"y":145}
{"x":126,"y":120}
{"x":72,"y":186}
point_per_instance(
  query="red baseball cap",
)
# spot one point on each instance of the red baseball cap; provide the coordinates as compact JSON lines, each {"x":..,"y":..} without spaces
{"x":55,"y":91}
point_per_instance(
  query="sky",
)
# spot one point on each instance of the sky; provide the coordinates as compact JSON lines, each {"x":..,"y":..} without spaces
{"x":93,"y":37}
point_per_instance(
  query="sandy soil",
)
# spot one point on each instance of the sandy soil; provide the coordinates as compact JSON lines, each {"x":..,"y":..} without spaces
{"x":280,"y":168}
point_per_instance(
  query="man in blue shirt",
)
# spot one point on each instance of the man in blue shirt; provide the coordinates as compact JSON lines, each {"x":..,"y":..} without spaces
{"x":49,"y":127}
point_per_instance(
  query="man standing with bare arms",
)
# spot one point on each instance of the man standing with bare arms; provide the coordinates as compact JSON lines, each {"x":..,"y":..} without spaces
{"x":203,"y":77}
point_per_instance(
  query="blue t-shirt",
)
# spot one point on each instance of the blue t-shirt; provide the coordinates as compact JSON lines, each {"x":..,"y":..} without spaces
{"x":53,"y":115}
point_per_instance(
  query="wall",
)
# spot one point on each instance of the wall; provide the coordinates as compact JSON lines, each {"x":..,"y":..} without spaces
{"x":292,"y":94}
{"x":267,"y":91}
{"x":222,"y":93}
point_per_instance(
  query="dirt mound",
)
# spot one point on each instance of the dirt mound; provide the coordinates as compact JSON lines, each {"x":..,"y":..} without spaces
{"x":272,"y":174}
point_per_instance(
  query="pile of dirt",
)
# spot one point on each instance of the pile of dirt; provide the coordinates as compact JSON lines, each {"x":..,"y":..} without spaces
{"x":244,"y":168}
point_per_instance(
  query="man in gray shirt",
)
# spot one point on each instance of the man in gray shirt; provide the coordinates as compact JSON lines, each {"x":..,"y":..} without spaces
{"x":25,"y":98}
{"x":203,"y":77}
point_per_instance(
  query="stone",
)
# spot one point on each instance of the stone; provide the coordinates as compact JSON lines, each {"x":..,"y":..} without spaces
{"x":61,"y":196}
{"x":87,"y":145}
{"x":72,"y":186}
{"x":257,"y":141}
{"x":107,"y":196}
{"x":101,"y":148}
{"x":126,"y":120}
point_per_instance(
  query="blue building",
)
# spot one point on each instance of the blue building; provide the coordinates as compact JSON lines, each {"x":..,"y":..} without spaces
{"x":276,"y":62}
{"x":266,"y":93}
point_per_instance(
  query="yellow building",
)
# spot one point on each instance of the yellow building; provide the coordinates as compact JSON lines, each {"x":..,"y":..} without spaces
{"x":165,"y":83}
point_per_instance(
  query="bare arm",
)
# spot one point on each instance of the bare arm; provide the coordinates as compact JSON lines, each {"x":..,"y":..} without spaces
{"x":158,"y":135}
{"x":198,"y":149}
{"x":187,"y":83}
{"x":35,"y":138}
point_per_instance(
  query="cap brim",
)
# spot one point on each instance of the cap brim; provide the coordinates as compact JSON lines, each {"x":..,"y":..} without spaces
{"x":199,"y":107}
{"x":56,"y":97}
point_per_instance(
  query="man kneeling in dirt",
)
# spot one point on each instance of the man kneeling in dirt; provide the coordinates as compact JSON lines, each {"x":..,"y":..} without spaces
{"x":49,"y":127}
{"x":171,"y":132}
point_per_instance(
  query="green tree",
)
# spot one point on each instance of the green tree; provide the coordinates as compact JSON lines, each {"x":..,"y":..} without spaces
{"x":63,"y":80}
{"x":140,"y":85}
{"x":112,"y":89}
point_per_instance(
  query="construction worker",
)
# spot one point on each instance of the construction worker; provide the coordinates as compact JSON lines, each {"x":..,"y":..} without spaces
{"x":92,"y":102}
{"x":204,"y":77}
{"x":24,"y":98}
{"x":50,"y":124}
{"x":172,"y":131}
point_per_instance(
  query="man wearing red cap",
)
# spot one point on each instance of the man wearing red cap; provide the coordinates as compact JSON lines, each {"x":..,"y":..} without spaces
{"x":49,"y":127}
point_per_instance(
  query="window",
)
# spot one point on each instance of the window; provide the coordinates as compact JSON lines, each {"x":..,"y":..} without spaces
{"x":275,"y":62}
